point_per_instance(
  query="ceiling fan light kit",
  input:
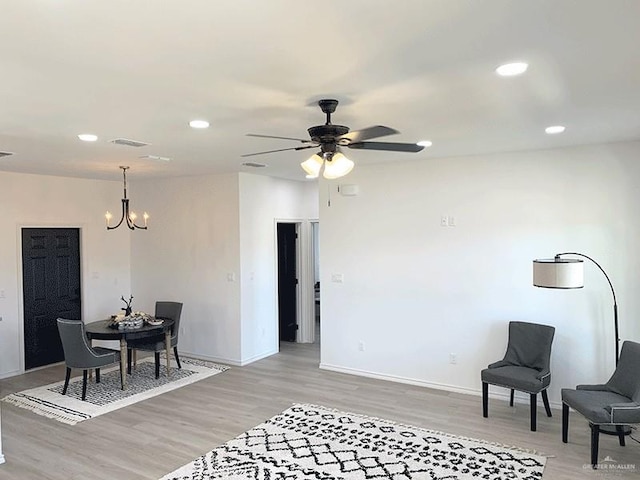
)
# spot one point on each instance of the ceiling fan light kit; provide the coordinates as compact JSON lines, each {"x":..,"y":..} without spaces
{"x":329,"y":138}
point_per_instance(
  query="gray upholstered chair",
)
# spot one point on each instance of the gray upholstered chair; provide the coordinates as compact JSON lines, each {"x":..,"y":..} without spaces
{"x":614,"y":404}
{"x":525,"y":366}
{"x":79,"y":354}
{"x":170,"y":310}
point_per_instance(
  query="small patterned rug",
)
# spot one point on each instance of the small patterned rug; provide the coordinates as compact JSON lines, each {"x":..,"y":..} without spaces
{"x":107,"y":395}
{"x":313,"y":442}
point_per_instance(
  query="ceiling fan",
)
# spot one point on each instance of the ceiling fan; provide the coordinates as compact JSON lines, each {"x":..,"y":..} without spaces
{"x":331,"y":138}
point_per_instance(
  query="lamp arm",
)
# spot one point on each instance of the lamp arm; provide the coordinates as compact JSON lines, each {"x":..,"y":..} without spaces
{"x":613,"y":293}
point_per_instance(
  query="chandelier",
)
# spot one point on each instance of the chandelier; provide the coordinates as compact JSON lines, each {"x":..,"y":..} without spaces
{"x":129,"y":217}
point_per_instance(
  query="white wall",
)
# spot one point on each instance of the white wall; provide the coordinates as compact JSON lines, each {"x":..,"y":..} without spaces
{"x":263,"y":202}
{"x":46,"y":201}
{"x":415,"y":291}
{"x":191,"y":254}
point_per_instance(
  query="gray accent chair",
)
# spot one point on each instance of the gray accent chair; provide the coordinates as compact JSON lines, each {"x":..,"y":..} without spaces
{"x":169,"y":310}
{"x":615,"y":404}
{"x":79,"y":354}
{"x":525,"y":366}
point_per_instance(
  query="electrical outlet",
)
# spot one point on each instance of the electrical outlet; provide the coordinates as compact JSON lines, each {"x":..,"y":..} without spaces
{"x":444,"y":221}
{"x":361,"y":346}
{"x":453,"y":358}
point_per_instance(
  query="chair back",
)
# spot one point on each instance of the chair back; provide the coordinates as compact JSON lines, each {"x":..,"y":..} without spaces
{"x":77,"y":351}
{"x":530,"y":345}
{"x":172,"y":311}
{"x":626,"y":378}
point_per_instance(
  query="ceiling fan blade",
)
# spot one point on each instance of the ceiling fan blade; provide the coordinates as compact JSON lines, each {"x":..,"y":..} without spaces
{"x":388,"y":146}
{"x":281,"y":138}
{"x":369,"y":132}
{"x":279,"y":150}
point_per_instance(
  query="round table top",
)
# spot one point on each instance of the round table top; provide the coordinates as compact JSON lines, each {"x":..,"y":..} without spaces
{"x":100,"y":330}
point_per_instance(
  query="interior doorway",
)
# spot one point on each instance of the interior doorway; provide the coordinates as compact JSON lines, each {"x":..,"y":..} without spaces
{"x":287,"y":236}
{"x":50,"y":289}
{"x":315,"y":254}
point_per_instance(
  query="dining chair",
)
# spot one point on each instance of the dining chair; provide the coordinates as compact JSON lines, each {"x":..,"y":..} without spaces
{"x":525,"y":366}
{"x":614,"y":404}
{"x":168,"y":310}
{"x":79,"y":354}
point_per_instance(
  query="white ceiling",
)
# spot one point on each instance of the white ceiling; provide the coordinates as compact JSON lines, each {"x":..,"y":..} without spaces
{"x":141,"y":69}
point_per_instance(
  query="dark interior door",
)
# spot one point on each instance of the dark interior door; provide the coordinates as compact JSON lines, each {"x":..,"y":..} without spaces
{"x":287,"y":281}
{"x":51,"y":289}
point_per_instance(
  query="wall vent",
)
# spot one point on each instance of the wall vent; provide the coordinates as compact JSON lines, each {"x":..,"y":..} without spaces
{"x":128,"y":143}
{"x":254,"y":164}
{"x":5,"y":154}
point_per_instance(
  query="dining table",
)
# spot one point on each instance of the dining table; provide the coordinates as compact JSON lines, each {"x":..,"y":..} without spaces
{"x":103,"y":330}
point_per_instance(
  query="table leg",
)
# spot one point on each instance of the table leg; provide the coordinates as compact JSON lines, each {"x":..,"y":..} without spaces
{"x":167,"y":343}
{"x":123,"y":363}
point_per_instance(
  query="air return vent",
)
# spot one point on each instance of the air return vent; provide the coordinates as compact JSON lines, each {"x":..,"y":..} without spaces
{"x":5,"y":154}
{"x":156,"y":157}
{"x":128,"y":143}
{"x":254,"y":164}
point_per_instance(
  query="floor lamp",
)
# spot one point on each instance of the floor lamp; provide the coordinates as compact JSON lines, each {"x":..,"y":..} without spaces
{"x":562,"y":273}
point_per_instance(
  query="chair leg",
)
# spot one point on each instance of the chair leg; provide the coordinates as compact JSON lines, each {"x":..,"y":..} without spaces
{"x":66,"y":381}
{"x":84,"y":384}
{"x":129,"y":361}
{"x":620,"y":430}
{"x":534,"y":404}
{"x":511,"y":397}
{"x":157,"y":358}
{"x":97,"y":375}
{"x":565,"y":423}
{"x":545,"y":400}
{"x":485,"y":399}
{"x":175,"y":352}
{"x":595,"y":436}
{"x":135,"y":359}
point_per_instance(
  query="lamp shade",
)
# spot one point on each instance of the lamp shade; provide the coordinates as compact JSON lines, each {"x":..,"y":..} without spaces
{"x":338,"y":166}
{"x":558,"y":273}
{"x":313,"y":165}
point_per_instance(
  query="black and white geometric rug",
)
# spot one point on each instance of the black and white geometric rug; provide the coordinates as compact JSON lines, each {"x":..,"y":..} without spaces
{"x":313,"y":442}
{"x":107,"y":395}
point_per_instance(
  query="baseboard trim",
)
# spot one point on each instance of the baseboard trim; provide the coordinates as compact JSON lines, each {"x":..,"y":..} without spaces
{"x":499,"y":395}
{"x":229,"y":361}
{"x":1,"y":458}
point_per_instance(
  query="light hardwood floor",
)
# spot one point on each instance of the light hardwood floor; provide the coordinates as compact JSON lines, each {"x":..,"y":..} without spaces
{"x":154,"y":437}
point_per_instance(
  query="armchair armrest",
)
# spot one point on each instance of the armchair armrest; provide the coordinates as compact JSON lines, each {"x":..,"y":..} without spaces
{"x":499,"y":363}
{"x":543,"y":373}
{"x":624,"y":412}
{"x":595,"y":388}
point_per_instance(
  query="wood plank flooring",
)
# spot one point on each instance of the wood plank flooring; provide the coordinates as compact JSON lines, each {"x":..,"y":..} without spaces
{"x":154,"y":437}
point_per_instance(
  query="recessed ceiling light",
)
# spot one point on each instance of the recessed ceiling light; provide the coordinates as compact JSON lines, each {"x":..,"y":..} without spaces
{"x":512,"y":69}
{"x":425,"y":143}
{"x":199,"y":124}
{"x":554,"y":129}
{"x":88,"y":137}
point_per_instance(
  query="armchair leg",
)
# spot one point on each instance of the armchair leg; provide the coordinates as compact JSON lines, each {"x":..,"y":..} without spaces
{"x":84,"y":384}
{"x":511,"y":397}
{"x":485,"y":399}
{"x":157,"y":358}
{"x":534,"y":404}
{"x":97,"y":375}
{"x":565,"y":423}
{"x":66,"y":381}
{"x":595,"y":436}
{"x":545,"y":400}
{"x":620,"y":430}
{"x":175,"y":352}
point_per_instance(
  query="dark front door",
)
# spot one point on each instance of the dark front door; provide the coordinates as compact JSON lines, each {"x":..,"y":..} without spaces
{"x":287,"y":281}
{"x":51,"y":289}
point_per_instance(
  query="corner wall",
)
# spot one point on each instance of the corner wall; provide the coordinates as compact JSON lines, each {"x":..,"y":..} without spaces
{"x":415,"y":292}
